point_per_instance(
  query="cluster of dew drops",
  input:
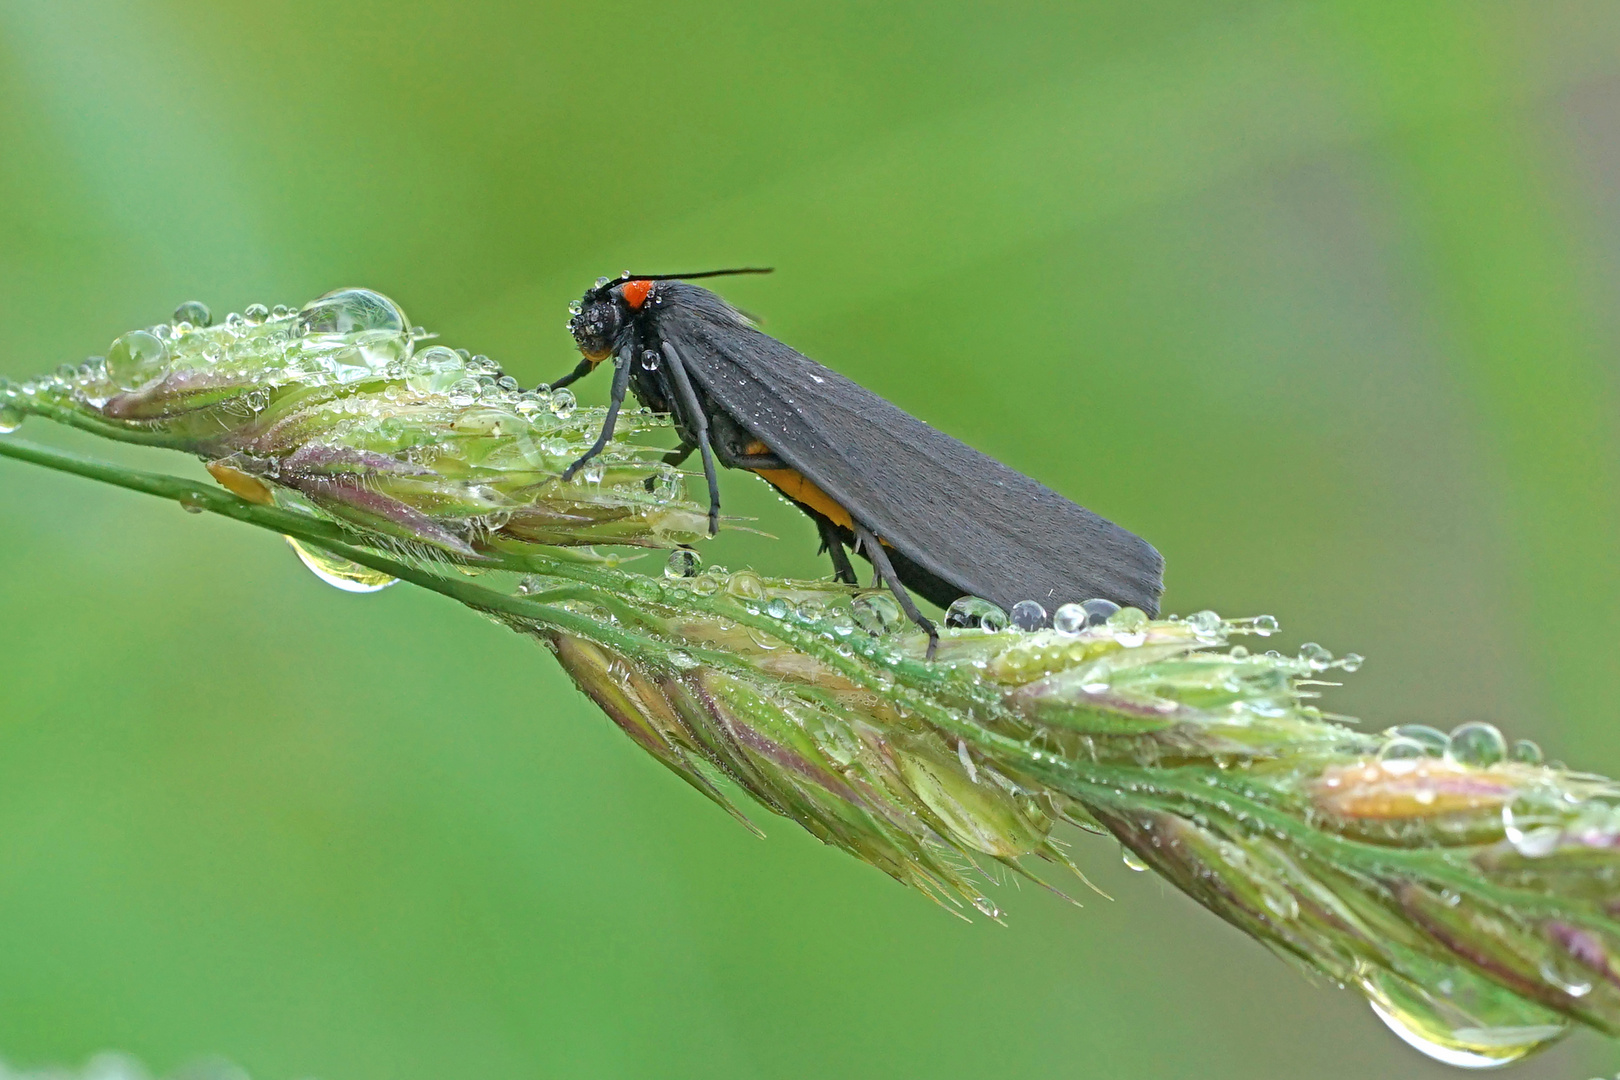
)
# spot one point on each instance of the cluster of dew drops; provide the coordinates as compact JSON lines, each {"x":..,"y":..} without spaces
{"x":1128,"y":626}
{"x":347,"y":336}
{"x":344,"y":338}
{"x":354,"y":335}
{"x":1543,"y":815}
{"x":1532,"y":829}
{"x":1534,"y":821}
{"x":877,"y":612}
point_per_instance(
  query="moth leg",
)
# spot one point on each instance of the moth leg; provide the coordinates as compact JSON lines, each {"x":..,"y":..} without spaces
{"x":674,"y":457}
{"x":713,"y":478}
{"x":621,"y":386}
{"x":873,"y":550}
{"x":698,"y":424}
{"x":833,"y":545}
{"x":735,"y":448}
{"x":680,"y":453}
{"x":584,"y":368}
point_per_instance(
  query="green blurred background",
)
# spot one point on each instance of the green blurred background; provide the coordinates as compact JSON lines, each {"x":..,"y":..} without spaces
{"x":1317,"y":297}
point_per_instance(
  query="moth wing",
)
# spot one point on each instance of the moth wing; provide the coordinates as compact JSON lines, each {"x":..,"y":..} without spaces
{"x":960,"y":514}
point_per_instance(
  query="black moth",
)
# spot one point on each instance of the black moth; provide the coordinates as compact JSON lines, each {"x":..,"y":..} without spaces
{"x":929,"y":512}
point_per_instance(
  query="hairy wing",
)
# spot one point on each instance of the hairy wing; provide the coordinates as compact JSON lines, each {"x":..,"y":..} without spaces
{"x":962,"y":515}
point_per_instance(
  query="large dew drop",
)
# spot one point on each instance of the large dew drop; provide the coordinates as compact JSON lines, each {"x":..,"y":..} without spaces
{"x":350,"y":311}
{"x":362,"y":331}
{"x":340,"y":573}
{"x":136,"y":359}
{"x":877,"y":613}
{"x":970,"y":611}
{"x":1479,"y":1027}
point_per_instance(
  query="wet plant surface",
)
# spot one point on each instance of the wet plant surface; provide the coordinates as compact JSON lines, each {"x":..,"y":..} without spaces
{"x":1464,"y":885}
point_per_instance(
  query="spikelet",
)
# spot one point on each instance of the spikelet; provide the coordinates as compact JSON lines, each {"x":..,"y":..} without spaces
{"x":1469,"y":890}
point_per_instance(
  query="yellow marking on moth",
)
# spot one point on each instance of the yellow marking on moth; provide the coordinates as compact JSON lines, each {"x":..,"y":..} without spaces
{"x":792,"y":483}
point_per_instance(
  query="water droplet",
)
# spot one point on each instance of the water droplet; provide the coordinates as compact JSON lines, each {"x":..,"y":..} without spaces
{"x":463,"y":392}
{"x":1533,"y":824}
{"x":1027,"y":615}
{"x":351,"y":311}
{"x":1567,"y":974}
{"x":11,"y":417}
{"x":1280,"y":902}
{"x":193,"y":504}
{"x":435,"y":370}
{"x":1443,"y":1029}
{"x":254,"y":314}
{"x":778,"y":608}
{"x":355,"y":333}
{"x":1526,"y":752}
{"x":1129,"y":626}
{"x":667,"y":483}
{"x":1433,"y":740}
{"x":1069,"y":619}
{"x":507,"y":383}
{"x":1205,"y":623}
{"x":1477,"y":744}
{"x":970,"y":611}
{"x":194,"y":312}
{"x":1401,"y":748}
{"x":1351,"y":662}
{"x":136,"y":359}
{"x":1315,"y":656}
{"x":645,"y":588}
{"x":562,"y":403}
{"x":746,"y":585}
{"x":650,"y":360}
{"x":530,"y":584}
{"x":1128,"y":618}
{"x":1131,"y":860}
{"x":1098,"y":611}
{"x":682,"y":563}
{"x":340,"y":573}
{"x":876,"y":613}
{"x":593,"y":473}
